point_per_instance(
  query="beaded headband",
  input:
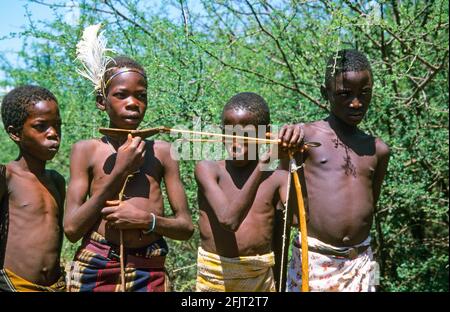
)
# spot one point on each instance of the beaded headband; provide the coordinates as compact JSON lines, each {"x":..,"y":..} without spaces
{"x":122,"y":71}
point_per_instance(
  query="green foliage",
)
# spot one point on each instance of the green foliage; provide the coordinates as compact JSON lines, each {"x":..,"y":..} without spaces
{"x":198,"y":56}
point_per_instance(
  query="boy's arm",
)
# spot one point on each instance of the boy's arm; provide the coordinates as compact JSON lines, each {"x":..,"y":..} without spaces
{"x":230,"y":212}
{"x":180,"y":226}
{"x":60,"y":183}
{"x":383,"y":153}
{"x":278,"y":227}
{"x":82,"y":214}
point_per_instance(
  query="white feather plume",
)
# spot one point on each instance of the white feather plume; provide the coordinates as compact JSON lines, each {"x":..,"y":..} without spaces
{"x":91,"y":52}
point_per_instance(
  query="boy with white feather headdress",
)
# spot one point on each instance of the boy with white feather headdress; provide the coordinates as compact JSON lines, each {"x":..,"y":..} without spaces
{"x":103,"y":168}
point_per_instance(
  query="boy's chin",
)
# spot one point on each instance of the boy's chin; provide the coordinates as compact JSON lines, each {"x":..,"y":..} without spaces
{"x":127,"y":125}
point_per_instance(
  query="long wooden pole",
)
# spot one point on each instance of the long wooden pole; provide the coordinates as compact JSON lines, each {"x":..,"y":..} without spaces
{"x":302,"y":223}
{"x":286,"y":236}
{"x":121,"y":248}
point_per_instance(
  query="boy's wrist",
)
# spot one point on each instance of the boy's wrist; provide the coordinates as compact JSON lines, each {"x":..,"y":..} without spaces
{"x":151,"y":225}
{"x":118,"y":175}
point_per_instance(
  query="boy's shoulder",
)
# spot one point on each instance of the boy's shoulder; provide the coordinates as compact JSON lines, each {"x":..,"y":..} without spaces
{"x":159,"y":149}
{"x":211,"y":165}
{"x":315,"y":129}
{"x":316,"y":125}
{"x":209,"y":169}
{"x":88,"y":144}
{"x":159,"y":145}
{"x":382,"y":149}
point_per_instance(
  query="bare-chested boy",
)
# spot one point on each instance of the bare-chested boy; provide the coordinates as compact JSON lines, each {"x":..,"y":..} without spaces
{"x":237,"y":202}
{"x":31,"y":197}
{"x":343,"y":181}
{"x":99,"y":168}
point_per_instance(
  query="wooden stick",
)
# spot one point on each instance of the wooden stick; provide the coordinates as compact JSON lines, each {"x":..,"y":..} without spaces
{"x":285,"y":238}
{"x":122,"y":262}
{"x":259,"y":140}
{"x":302,"y":223}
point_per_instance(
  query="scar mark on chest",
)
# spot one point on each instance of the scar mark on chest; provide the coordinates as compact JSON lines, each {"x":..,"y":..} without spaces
{"x":348,"y":166}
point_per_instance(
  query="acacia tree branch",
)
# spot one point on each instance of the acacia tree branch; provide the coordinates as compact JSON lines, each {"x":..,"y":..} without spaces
{"x":184,"y":14}
{"x":394,"y":35}
{"x":264,"y":78}
{"x":277,"y":43}
{"x":429,"y":77}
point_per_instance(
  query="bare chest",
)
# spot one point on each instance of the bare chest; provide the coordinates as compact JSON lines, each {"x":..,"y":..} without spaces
{"x":266,"y":197}
{"x":31,"y":198}
{"x":333,"y":156}
{"x":139,"y":183}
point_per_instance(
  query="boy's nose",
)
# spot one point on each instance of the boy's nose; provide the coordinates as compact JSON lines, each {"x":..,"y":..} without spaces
{"x":132,"y":103}
{"x":356,"y":103}
{"x":52,"y":133}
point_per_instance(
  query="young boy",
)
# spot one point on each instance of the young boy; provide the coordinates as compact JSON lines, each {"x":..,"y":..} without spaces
{"x":343,"y":181}
{"x":140,"y":215}
{"x":31,"y":197}
{"x":237,"y":202}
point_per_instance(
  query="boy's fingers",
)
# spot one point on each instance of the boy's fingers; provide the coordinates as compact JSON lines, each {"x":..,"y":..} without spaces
{"x":287,"y":136}
{"x":294,"y":138}
{"x":111,"y":217}
{"x":109,"y":210}
{"x":135,"y":142}
{"x":282,"y":131}
{"x":141,"y":147}
{"x":115,"y":202}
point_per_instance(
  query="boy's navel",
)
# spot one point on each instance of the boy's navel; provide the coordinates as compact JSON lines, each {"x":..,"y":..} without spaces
{"x":346,"y":239}
{"x":323,"y":160}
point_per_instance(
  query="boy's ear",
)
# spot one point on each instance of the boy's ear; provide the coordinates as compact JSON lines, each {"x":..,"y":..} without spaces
{"x":100,"y":102}
{"x":13,"y":134}
{"x":324,"y":92}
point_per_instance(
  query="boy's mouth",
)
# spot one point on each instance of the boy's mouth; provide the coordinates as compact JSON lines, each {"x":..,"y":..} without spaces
{"x":356,"y":115}
{"x":53,"y":147}
{"x":236,"y":151}
{"x":133,"y":118}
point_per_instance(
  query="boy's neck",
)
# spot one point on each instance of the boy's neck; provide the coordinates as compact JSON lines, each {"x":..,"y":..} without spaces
{"x":250,"y":165}
{"x":339,"y":126}
{"x":32,"y":164}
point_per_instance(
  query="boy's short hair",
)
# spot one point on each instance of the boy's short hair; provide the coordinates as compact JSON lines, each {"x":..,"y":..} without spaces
{"x":252,"y":103}
{"x":121,"y":61}
{"x":17,"y":103}
{"x":346,"y":60}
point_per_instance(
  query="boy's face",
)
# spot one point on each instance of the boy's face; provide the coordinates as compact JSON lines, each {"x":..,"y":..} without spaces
{"x":126,"y":100}
{"x":244,"y":124}
{"x":349,"y":94}
{"x":41,"y":132}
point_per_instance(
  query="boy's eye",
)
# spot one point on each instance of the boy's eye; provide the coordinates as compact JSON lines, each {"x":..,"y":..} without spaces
{"x":366,"y":91}
{"x":40,"y":127}
{"x":343,"y":94}
{"x":120,"y":95}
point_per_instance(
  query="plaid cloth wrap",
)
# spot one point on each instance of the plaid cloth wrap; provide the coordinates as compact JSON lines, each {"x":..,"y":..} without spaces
{"x":96,"y":267}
